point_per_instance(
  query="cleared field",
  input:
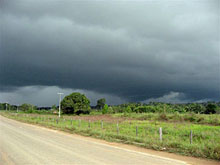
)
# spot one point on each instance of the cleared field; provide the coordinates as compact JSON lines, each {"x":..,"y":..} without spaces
{"x":211,"y":119}
{"x":175,"y":136}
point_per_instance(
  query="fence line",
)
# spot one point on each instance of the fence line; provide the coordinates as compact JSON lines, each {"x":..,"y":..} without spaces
{"x":71,"y":122}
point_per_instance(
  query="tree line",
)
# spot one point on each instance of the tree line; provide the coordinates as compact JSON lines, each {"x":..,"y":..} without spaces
{"x":77,"y":103}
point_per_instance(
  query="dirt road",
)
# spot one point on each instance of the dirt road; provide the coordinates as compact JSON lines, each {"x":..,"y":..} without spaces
{"x":21,"y":143}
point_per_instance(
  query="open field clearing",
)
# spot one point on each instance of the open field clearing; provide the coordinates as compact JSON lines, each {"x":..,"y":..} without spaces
{"x":211,"y":119}
{"x":204,"y":140}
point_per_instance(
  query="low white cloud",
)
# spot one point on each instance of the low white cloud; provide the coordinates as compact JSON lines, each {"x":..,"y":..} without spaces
{"x":172,"y":97}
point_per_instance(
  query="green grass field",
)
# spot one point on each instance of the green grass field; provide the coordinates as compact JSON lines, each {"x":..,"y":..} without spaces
{"x":176,"y":135}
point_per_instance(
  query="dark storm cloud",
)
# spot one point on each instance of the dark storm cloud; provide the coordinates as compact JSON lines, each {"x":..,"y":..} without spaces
{"x":134,"y":50}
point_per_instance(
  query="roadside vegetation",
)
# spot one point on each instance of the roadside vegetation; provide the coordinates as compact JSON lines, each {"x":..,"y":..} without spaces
{"x":189,"y":129}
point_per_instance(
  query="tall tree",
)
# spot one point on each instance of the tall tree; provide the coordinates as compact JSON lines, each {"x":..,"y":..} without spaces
{"x":211,"y":108}
{"x":100,"y":103}
{"x":75,"y":103}
{"x":26,"y":107}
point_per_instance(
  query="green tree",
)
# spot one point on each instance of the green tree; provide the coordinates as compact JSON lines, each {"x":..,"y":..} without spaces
{"x":25,"y":107}
{"x":13,"y":107}
{"x":105,"y":109}
{"x":196,"y":108}
{"x":75,"y":103}
{"x":100,"y":103}
{"x":211,"y":108}
{"x":1,"y":106}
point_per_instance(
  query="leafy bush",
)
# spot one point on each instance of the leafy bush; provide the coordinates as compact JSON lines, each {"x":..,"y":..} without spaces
{"x":105,"y":109}
{"x":144,"y":109}
{"x":110,"y":110}
{"x":128,"y":109}
{"x":163,"y":116}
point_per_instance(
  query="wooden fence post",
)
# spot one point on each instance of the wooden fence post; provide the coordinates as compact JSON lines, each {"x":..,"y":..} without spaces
{"x":161,"y":134}
{"x":79,"y":122}
{"x":117,"y":128}
{"x":191,"y":136}
{"x":136,"y":131}
{"x":89,"y":124}
{"x":57,"y":121}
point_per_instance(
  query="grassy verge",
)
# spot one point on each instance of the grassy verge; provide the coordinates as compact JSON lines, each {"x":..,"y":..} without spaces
{"x":205,"y":143}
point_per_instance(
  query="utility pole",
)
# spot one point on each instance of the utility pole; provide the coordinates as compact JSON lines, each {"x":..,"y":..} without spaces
{"x":17,"y":108}
{"x":59,"y":102}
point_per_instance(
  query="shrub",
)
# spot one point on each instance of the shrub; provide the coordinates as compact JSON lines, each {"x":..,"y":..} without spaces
{"x":144,"y":109}
{"x":128,"y":109}
{"x":190,"y":117}
{"x":163,"y":116}
{"x":105,"y":109}
{"x":110,"y":110}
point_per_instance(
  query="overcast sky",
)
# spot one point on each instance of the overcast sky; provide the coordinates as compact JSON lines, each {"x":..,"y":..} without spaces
{"x":139,"y":50}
